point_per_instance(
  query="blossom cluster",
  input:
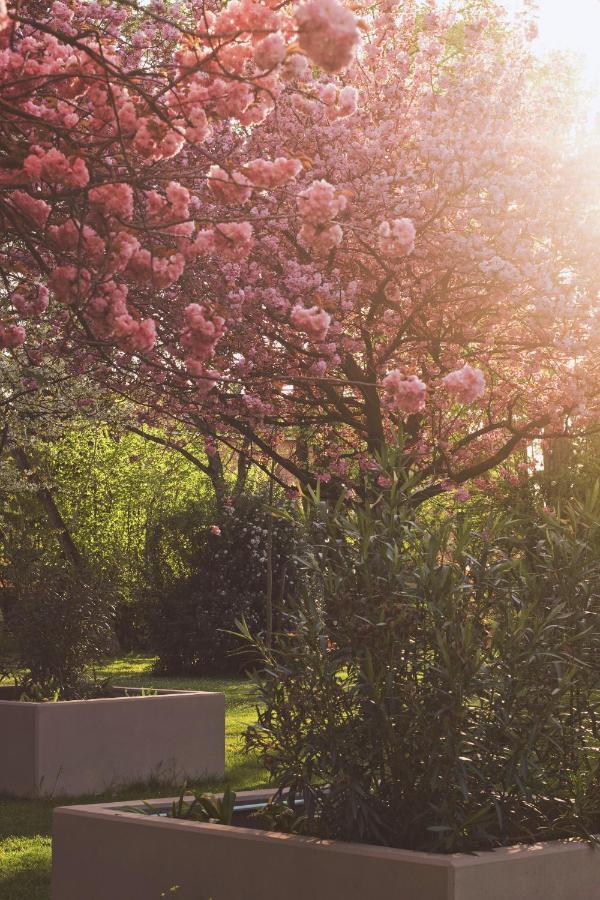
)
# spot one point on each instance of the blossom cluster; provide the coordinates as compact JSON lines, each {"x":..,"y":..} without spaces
{"x":404,"y":393}
{"x":397,"y":238}
{"x":314,"y":321}
{"x":318,"y":205}
{"x":328,"y":33}
{"x":92,"y":212}
{"x":466,"y":384}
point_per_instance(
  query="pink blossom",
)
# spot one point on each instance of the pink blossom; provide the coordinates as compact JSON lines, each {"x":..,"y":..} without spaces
{"x":266,"y":174}
{"x":69,"y":283}
{"x":320,"y":202}
{"x":79,"y":175}
{"x":143,"y":337}
{"x":317,"y":205}
{"x":11,"y":336}
{"x":405,"y":393}
{"x":107,"y":311}
{"x":328,"y":33}
{"x":466,"y":384}
{"x":32,"y":301}
{"x":204,"y":242}
{"x":127,"y":118}
{"x":397,"y":238}
{"x":295,"y":66}
{"x":154,"y":142}
{"x":113,"y":199}
{"x":321,"y":240}
{"x":194,"y":367}
{"x":199,"y":131}
{"x":61,"y":11}
{"x":229,"y":188}
{"x":231,"y":98}
{"x":200,"y":336}
{"x":37,"y":211}
{"x":319,"y":367}
{"x":346,"y":103}
{"x":328,"y":94}
{"x":159,"y":271}
{"x":314,"y":321}
{"x":205,"y":381}
{"x":368,"y":464}
{"x":124,"y":246}
{"x":214,"y":529}
{"x":54,"y":167}
{"x":233,"y":240}
{"x":179,"y":198}
{"x":269,"y":52}
{"x":480,"y":179}
{"x":71,"y":235}
{"x":339,"y":466}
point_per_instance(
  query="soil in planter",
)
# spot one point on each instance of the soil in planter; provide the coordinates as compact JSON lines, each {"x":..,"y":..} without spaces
{"x":261,"y":815}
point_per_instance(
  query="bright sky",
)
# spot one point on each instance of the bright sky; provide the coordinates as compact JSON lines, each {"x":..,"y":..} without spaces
{"x":572,"y":25}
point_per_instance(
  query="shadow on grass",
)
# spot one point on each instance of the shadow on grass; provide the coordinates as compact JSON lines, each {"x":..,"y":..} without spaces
{"x":31,"y":883}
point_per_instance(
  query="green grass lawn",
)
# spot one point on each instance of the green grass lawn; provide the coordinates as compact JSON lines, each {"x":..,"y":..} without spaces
{"x":25,"y":825}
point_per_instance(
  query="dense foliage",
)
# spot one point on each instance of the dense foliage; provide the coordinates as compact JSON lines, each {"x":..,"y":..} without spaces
{"x":61,"y":622}
{"x":134,"y":505}
{"x":245,"y":568}
{"x":444,"y":693}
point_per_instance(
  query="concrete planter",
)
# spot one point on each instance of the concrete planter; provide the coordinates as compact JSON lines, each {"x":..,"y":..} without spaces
{"x":87,"y":746}
{"x":103,"y":853}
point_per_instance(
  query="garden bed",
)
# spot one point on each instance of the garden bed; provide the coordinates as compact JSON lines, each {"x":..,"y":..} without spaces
{"x":76,"y":747}
{"x":107,"y":852}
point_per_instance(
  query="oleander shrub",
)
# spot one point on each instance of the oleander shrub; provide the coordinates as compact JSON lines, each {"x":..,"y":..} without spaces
{"x":194,"y":619}
{"x":443,"y":692}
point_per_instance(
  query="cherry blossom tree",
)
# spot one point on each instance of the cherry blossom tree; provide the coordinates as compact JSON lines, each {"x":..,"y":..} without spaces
{"x":308,"y":258}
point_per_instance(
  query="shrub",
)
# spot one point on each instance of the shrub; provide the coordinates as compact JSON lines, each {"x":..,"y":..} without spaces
{"x":443,"y":695}
{"x":173,"y":544}
{"x":61,"y":623}
{"x":193,"y":620}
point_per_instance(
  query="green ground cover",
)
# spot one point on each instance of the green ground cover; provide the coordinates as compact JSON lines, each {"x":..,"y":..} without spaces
{"x":25,"y":825}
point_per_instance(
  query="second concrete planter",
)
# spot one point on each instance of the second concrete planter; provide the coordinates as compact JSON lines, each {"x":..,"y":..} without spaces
{"x":88,"y":746}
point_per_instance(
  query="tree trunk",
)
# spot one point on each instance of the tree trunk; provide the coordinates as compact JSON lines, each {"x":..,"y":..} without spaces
{"x":69,"y":548}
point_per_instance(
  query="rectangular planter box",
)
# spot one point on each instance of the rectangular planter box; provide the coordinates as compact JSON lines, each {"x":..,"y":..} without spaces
{"x":103,"y":853}
{"x":88,"y":746}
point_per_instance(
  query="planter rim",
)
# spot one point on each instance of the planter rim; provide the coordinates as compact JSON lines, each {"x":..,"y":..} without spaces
{"x":115,"y":810}
{"x":156,"y":695}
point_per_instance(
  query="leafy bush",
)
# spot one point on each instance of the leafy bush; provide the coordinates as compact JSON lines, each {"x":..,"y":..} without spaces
{"x":443,"y":695}
{"x":61,"y":623}
{"x":193,"y":620}
{"x":173,"y":544}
